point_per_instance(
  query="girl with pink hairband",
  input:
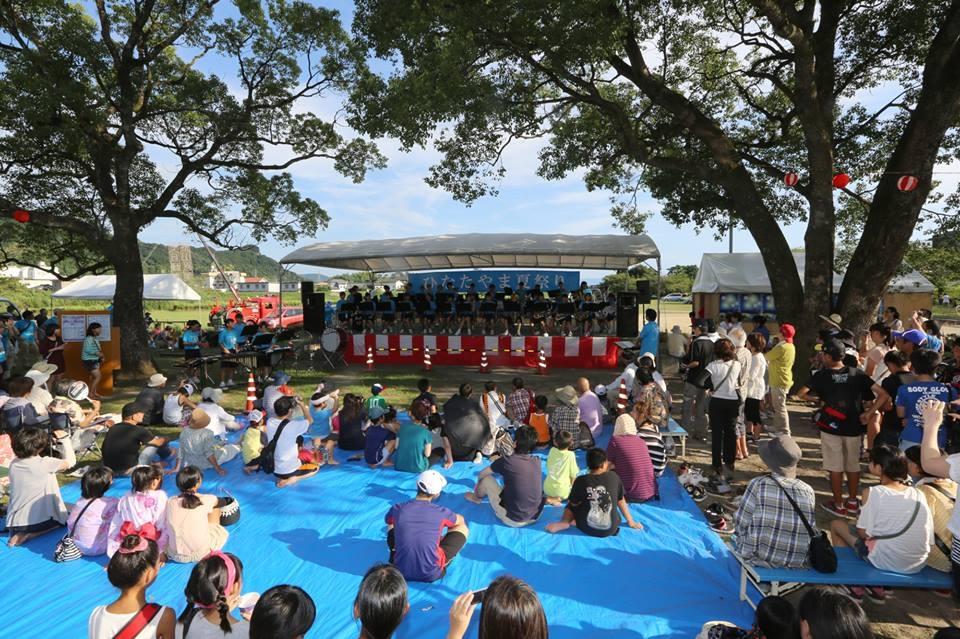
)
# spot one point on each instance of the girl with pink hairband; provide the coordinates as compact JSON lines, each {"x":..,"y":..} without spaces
{"x":132,"y":569}
{"x":213,"y":592}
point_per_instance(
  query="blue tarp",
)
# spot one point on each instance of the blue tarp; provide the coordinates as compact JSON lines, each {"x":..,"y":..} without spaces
{"x":323,"y":533}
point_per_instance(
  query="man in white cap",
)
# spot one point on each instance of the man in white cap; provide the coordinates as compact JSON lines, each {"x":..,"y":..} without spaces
{"x":415,"y":532}
{"x":151,"y":399}
{"x":770,"y":531}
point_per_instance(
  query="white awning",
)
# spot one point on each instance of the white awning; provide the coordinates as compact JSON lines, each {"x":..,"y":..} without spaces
{"x":480,"y":250}
{"x":163,"y":286}
{"x":746,"y":273}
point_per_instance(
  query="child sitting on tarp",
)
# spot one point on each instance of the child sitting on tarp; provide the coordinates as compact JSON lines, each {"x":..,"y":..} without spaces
{"x":323,"y":406}
{"x":253,"y":442}
{"x":381,"y":437}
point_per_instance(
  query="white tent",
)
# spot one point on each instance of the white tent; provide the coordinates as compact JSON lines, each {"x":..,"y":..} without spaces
{"x":746,"y":273}
{"x":480,"y":250}
{"x":163,"y":286}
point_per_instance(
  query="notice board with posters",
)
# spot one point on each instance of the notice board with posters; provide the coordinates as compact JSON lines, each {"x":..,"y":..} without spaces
{"x":73,"y":329}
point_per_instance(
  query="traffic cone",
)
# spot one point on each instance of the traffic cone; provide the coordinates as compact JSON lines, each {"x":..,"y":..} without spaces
{"x":427,"y":364}
{"x":369,"y":358}
{"x":251,"y":392}
{"x":622,"y":398}
{"x":542,"y":363}
{"x":483,"y":362}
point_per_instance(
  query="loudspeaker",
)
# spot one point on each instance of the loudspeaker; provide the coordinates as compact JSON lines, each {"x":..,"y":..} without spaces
{"x":306,"y":288}
{"x":314,"y":318}
{"x":643,"y":291}
{"x":628,"y":314}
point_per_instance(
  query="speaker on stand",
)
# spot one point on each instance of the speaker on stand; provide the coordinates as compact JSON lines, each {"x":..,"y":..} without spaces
{"x":628,"y":314}
{"x":314,"y":307}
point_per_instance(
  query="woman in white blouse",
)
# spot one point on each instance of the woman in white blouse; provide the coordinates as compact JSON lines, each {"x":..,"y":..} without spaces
{"x":756,"y":385}
{"x":723,"y":409}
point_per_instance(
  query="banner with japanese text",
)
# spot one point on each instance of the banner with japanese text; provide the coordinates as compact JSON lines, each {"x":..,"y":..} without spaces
{"x":548,"y":280}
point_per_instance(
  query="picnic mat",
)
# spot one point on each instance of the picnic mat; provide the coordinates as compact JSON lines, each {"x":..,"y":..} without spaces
{"x":325,"y":532}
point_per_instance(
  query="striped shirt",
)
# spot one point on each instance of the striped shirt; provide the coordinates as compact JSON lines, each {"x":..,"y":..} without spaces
{"x":631,"y":459}
{"x":658,"y":456}
{"x":769,"y":531}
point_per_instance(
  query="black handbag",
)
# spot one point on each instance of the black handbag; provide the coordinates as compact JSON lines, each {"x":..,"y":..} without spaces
{"x":700,"y":377}
{"x":268,"y":453}
{"x":823,"y":558}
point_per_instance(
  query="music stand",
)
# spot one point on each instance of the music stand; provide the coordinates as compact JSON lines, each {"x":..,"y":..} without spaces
{"x":566,"y":309}
{"x":367,"y":310}
{"x":346,"y":312}
{"x":404,"y":307}
{"x":286,"y":335}
{"x":262,"y":342}
{"x":488,"y":308}
{"x":445,"y":308}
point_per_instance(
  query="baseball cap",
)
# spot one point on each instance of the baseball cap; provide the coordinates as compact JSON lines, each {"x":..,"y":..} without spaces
{"x":914,"y":336}
{"x":788,"y":331}
{"x":376,"y":388}
{"x":280,"y":378}
{"x":255,"y":416}
{"x":835,"y":349}
{"x":376,"y":412}
{"x":431,"y":482}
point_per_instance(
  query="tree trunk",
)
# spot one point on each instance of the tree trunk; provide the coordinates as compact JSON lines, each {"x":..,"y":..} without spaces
{"x":124,"y":254}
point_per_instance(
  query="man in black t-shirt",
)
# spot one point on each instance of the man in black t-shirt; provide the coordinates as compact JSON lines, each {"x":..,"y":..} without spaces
{"x":122,"y":445}
{"x":842,"y":391}
{"x":465,"y":425}
{"x":898,"y":363}
{"x":595,"y":499}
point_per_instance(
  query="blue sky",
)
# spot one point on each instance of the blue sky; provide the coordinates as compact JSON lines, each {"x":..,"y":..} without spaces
{"x":396,"y":202}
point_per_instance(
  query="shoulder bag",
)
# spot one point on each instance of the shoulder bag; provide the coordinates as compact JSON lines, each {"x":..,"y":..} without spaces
{"x":941,"y":545}
{"x":269,"y":451}
{"x":140,"y":621}
{"x":823,"y":558}
{"x":913,"y":518}
{"x":66,"y":549}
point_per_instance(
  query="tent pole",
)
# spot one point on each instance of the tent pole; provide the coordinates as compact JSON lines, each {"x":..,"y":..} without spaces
{"x":659,"y":292}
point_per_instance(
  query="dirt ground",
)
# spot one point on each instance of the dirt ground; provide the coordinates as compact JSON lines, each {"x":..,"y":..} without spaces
{"x":906,"y":615}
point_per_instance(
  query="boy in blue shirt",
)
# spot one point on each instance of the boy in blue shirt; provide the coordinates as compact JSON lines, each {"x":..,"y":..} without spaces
{"x":228,"y":346}
{"x":322,"y":408}
{"x":924,"y":363}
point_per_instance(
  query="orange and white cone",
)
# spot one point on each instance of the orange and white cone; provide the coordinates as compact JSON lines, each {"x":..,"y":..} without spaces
{"x":483,"y":362}
{"x":369,"y":358}
{"x":622,"y":398}
{"x":427,"y":364}
{"x":542,"y":363}
{"x":251,"y":392}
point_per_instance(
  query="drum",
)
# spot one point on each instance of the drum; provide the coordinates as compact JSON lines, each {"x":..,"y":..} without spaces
{"x":229,"y":510}
{"x":334,"y":339}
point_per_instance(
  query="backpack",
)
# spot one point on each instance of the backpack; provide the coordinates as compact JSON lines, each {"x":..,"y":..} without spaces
{"x":268,"y":454}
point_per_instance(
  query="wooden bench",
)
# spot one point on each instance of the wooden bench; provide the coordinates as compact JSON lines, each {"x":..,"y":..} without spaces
{"x":676,"y":430}
{"x":851,"y":570}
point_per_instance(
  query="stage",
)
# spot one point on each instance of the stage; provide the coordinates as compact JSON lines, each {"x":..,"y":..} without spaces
{"x":467,"y":350}
{"x":325,"y":532}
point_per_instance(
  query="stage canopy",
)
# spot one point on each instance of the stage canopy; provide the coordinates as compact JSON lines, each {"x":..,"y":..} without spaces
{"x":480,"y":250}
{"x":155,"y":287}
{"x":746,"y":273}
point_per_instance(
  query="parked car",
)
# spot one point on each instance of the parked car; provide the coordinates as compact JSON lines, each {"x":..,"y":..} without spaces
{"x":677,"y":297}
{"x":292,"y":318}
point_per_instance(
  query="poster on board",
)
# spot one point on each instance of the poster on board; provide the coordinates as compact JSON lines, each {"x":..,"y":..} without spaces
{"x":104,"y":322}
{"x":73,"y":328}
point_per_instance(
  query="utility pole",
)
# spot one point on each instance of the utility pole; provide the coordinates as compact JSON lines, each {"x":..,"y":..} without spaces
{"x":730,"y":250}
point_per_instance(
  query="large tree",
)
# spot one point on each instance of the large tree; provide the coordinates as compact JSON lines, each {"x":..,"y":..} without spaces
{"x":704,"y":104}
{"x":115,"y":119}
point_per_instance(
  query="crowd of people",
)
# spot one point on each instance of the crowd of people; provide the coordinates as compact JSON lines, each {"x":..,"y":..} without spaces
{"x":886,"y":403}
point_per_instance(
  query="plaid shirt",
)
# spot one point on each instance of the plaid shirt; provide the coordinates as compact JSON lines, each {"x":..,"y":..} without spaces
{"x":566,"y":418}
{"x":518,"y":404}
{"x":769,"y":531}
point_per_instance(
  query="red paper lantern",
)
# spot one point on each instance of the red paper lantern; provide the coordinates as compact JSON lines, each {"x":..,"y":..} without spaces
{"x":908,"y":183}
{"x":840,"y":180}
{"x":791,"y":179}
{"x":21,"y":216}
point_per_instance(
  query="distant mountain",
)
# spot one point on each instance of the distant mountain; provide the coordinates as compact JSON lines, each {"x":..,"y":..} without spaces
{"x":313,"y":277}
{"x":156,"y":259}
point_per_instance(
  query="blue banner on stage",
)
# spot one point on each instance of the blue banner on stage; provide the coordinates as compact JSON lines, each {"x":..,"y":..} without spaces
{"x":548,"y":280}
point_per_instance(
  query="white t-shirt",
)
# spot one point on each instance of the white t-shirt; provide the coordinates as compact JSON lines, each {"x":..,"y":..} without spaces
{"x":496,"y":410}
{"x":285,"y":459}
{"x":724,"y":385}
{"x":106,"y":625}
{"x":628,"y":375}
{"x":755,"y":378}
{"x":172,"y":410}
{"x":219,"y":418}
{"x":954,"y":462}
{"x":201,"y":628}
{"x":887,"y":512}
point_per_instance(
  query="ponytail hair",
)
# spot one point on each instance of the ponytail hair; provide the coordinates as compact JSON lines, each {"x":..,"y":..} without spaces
{"x":143,"y":476}
{"x":207,"y":588}
{"x":188,"y":480}
{"x":136,"y":554}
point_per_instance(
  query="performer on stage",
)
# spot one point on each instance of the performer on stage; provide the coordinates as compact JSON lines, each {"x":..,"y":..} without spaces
{"x":227,"y":339}
{"x":191,"y":348}
{"x":263,"y":345}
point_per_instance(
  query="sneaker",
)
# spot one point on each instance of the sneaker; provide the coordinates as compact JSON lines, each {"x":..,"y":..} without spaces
{"x":718,"y":486}
{"x":877,"y":595}
{"x":458,"y":332}
{"x":720,"y":525}
{"x":853,"y":507}
{"x":856,"y":593}
{"x":834,"y":508}
{"x":223,"y":384}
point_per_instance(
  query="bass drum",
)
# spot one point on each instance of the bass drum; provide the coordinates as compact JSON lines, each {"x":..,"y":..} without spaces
{"x":333,"y":340}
